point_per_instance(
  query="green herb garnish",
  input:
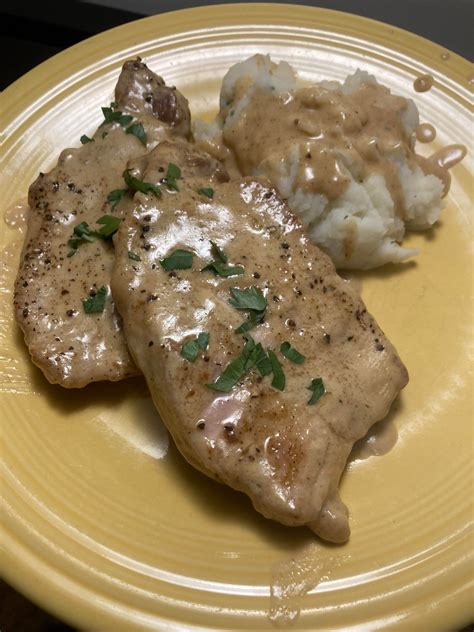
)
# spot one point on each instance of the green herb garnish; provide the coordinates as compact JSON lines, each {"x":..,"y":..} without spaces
{"x":137,"y":130}
{"x":173,"y":173}
{"x":115,"y":116}
{"x":262,"y":361}
{"x":85,"y":139}
{"x":236,"y":369}
{"x":218,"y":253}
{"x":110,"y":225}
{"x":223,"y":270}
{"x":133,"y":256}
{"x":83,"y":232}
{"x":279,"y":380}
{"x":177,"y":260}
{"x":207,"y":191}
{"x":291,"y":353}
{"x":253,"y":319}
{"x":140,"y":185}
{"x":95,"y":304}
{"x":318,"y":390}
{"x":115,"y":196}
{"x":251,"y":298}
{"x":190,"y":350}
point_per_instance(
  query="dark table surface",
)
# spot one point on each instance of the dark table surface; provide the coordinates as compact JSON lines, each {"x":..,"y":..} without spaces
{"x":32,"y":32}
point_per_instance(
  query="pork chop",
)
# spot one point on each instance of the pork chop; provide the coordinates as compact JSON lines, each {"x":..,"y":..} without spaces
{"x":272,"y":411}
{"x":65,"y":267}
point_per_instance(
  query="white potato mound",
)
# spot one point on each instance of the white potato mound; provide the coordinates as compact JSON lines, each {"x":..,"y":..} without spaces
{"x":365,"y":213}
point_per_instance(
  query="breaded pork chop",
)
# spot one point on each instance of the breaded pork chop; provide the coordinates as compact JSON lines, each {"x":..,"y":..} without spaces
{"x":245,"y":410}
{"x":70,"y":346}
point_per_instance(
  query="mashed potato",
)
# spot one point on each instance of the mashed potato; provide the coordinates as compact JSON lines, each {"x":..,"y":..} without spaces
{"x":341,"y":154}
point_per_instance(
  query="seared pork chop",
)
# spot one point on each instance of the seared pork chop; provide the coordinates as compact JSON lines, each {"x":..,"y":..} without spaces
{"x":284,"y":441}
{"x":70,"y":346}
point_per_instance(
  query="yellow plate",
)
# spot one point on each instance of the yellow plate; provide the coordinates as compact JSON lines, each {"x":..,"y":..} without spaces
{"x":104,"y":524}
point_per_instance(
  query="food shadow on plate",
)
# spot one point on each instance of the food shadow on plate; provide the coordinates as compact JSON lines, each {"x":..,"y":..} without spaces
{"x":226,"y":505}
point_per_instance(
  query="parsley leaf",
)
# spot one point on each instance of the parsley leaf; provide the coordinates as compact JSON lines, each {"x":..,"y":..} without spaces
{"x":85,"y":139}
{"x":95,"y":304}
{"x":252,"y":321}
{"x":262,"y":361}
{"x":190,"y":350}
{"x":223,"y":270}
{"x":83,"y":232}
{"x":133,"y":256}
{"x":137,"y":130}
{"x":139,"y":185}
{"x":218,"y":252}
{"x":173,"y":173}
{"x":207,"y":191}
{"x":291,"y":353}
{"x":110,"y":225}
{"x":251,"y":298}
{"x":236,"y":369}
{"x":318,"y":390}
{"x":177,"y":260}
{"x":279,"y":379}
{"x":115,"y":116}
{"x":115,"y":196}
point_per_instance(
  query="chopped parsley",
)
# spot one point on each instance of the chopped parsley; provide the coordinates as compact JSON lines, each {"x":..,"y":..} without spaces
{"x":219,"y":265}
{"x":291,"y":353}
{"x":95,"y":304}
{"x":137,"y":130}
{"x":133,"y":256}
{"x":207,"y":191}
{"x":115,"y":196}
{"x":318,"y":390}
{"x":223,"y":270}
{"x":190,"y":350}
{"x":173,"y":173}
{"x":236,"y":369}
{"x":252,"y":321}
{"x":279,"y":380}
{"x":111,"y":115}
{"x":110,"y":225}
{"x":85,"y":139}
{"x":262,"y":360}
{"x":139,"y":185}
{"x":177,"y":260}
{"x":218,"y":253}
{"x":252,"y":300}
{"x":81,"y":234}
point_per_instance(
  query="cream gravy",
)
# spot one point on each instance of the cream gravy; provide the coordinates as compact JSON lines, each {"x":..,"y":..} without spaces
{"x":17,"y":214}
{"x":425,"y":133}
{"x":423,"y":83}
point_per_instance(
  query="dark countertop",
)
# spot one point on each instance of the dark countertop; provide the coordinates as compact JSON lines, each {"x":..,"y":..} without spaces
{"x":33,"y":32}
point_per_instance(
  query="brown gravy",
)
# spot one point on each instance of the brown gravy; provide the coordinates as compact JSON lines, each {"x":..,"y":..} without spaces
{"x":423,"y":83}
{"x":425,"y":133}
{"x":311,"y":134}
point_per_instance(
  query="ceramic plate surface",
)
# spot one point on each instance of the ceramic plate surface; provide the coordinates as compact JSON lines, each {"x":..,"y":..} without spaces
{"x":104,"y":523}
